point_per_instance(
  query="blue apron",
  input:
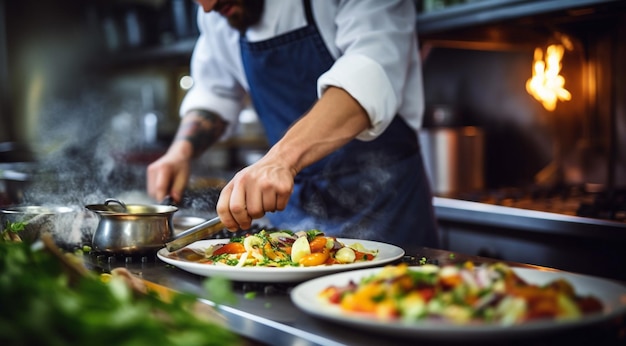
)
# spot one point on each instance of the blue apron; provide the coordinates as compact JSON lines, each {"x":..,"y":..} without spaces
{"x":375,"y":190}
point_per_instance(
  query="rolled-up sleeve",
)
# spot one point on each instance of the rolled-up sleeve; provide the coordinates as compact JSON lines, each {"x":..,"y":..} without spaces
{"x":215,"y":87}
{"x":376,"y":55}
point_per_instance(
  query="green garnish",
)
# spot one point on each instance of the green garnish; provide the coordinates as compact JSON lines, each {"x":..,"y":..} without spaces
{"x":40,"y":307}
{"x":11,"y":230}
{"x":14,"y":227}
{"x":232,"y":262}
{"x":219,"y":289}
{"x":236,"y":239}
{"x":422,"y":260}
{"x":312,"y":233}
{"x":250,"y":295}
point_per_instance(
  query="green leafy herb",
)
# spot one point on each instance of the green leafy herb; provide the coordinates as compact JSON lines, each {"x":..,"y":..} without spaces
{"x":310,"y":234}
{"x":11,"y":230}
{"x":220,"y":290}
{"x":236,"y":239}
{"x":14,"y":227}
{"x":39,"y":307}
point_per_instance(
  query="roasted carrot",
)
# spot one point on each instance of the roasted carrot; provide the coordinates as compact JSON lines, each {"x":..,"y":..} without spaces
{"x":230,"y":248}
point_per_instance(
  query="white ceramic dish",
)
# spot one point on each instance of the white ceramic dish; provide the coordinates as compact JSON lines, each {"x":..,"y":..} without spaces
{"x":386,"y":253}
{"x":612,"y":295}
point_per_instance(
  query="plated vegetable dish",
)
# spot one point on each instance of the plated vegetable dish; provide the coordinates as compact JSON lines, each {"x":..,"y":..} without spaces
{"x":281,"y":248}
{"x":458,"y":294}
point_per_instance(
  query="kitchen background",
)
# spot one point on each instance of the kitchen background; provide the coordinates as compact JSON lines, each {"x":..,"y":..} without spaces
{"x":89,"y":92}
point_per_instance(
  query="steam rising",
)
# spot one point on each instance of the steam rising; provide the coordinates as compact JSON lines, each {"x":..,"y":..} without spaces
{"x":80,"y":147}
{"x":354,"y":201}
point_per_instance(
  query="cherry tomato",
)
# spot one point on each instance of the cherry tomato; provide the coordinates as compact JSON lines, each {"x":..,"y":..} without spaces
{"x":318,"y":244}
{"x":362,"y":256}
{"x":314,"y":259}
{"x":230,"y":248}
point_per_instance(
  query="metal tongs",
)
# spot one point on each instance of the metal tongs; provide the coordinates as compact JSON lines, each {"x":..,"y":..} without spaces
{"x":195,"y":233}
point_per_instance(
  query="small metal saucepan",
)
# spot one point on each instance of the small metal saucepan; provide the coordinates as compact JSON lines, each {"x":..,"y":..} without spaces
{"x":136,"y":228}
{"x":57,"y":220}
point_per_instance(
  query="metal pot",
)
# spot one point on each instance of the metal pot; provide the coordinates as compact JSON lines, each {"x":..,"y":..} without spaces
{"x":454,"y":158}
{"x":133,"y":229}
{"x":57,"y":220}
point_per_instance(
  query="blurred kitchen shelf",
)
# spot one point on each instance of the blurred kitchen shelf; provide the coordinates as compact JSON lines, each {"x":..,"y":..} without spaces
{"x":484,"y":12}
{"x":454,"y":17}
{"x":178,"y":51}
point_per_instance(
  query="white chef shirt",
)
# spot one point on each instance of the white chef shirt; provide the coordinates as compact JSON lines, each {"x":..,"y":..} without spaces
{"x":366,"y":38}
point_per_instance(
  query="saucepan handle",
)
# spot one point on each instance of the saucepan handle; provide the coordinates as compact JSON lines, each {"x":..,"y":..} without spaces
{"x":195,"y":233}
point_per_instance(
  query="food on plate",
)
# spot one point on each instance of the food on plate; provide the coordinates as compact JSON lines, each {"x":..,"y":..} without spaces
{"x":284,"y":248}
{"x":459,"y":294}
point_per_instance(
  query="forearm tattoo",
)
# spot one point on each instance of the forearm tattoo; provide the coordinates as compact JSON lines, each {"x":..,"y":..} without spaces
{"x":202,"y":128}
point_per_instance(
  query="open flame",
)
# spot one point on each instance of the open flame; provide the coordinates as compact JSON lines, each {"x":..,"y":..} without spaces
{"x":546,"y":84}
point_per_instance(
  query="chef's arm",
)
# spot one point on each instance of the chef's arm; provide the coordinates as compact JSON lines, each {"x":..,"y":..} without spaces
{"x":198,"y":130}
{"x":265,"y":186}
{"x":169,"y":174}
{"x":332,"y":122}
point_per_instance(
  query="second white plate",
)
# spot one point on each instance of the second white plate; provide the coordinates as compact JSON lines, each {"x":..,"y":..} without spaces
{"x":611,"y":294}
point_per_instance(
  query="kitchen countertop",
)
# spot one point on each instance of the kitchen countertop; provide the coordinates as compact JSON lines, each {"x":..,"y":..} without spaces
{"x":271,"y":318}
{"x":456,"y":210}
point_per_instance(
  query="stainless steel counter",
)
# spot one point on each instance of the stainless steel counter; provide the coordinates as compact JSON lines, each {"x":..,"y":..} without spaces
{"x":573,"y":243}
{"x":449,"y":209}
{"x":271,"y":318}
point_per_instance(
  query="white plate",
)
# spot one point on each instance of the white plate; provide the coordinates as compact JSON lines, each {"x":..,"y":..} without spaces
{"x":386,"y":253}
{"x":610,"y":293}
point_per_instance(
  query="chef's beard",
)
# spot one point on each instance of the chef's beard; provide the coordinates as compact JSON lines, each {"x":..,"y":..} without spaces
{"x":250,"y":14}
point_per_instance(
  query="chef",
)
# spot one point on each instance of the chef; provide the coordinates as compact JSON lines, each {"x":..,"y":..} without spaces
{"x":337,"y":86}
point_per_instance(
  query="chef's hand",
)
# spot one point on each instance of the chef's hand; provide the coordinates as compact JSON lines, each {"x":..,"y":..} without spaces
{"x":263,"y":187}
{"x":169,"y":174}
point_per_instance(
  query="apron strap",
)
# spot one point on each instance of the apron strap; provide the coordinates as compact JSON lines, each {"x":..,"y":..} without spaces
{"x":308,"y":12}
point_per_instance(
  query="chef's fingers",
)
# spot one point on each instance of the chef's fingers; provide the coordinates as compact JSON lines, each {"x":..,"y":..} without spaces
{"x":281,"y":201}
{"x":238,"y":203}
{"x":223,"y":208}
{"x":231,"y":206}
{"x":158,"y":183}
{"x":255,"y":199}
{"x":150,"y":179}
{"x":275,"y":197}
{"x":178,"y":186}
{"x":268,"y":202}
{"x":283,"y":192}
